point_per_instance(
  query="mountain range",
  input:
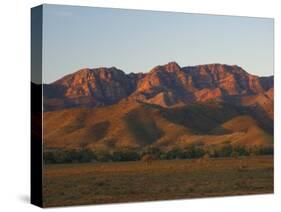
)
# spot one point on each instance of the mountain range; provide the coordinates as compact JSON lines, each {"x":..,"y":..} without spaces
{"x":168,"y":106}
{"x":166,"y":85}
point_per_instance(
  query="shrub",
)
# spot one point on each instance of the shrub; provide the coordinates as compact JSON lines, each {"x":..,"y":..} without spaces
{"x":150,"y":151}
{"x":193,"y":151}
{"x":86,"y":155}
{"x":125,"y":155}
{"x":189,"y":152}
{"x":104,"y":156}
{"x":262,"y":150}
{"x":49,"y":157}
{"x":241,"y":150}
{"x":174,"y":154}
{"x":224,"y":150}
{"x":163,"y":156}
{"x":69,"y":156}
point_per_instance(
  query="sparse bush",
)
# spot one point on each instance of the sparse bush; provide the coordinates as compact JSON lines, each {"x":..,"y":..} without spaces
{"x":193,"y":151}
{"x":125,"y":155}
{"x":69,"y":156}
{"x":234,"y":154}
{"x":104,"y":156}
{"x":262,"y":150}
{"x":163,"y":156}
{"x":49,"y":158}
{"x":241,"y":150}
{"x":174,"y":154}
{"x":224,"y":150}
{"x":151,"y":151}
{"x":86,"y":155}
{"x":189,"y":152}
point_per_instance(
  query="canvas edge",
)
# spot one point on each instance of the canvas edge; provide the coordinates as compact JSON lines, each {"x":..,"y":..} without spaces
{"x":36,"y":190}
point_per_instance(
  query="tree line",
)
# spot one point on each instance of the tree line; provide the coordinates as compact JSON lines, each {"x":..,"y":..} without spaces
{"x":84,"y":155}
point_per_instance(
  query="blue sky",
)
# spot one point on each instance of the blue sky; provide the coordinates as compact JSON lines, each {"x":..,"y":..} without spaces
{"x":136,"y":41}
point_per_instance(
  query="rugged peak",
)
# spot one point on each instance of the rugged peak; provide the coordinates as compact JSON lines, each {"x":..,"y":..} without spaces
{"x":112,"y":69}
{"x":169,"y":67}
{"x":86,"y":74}
{"x":219,"y":68}
{"x":98,"y":70}
{"x":172,"y":66}
{"x":109,"y":73}
{"x":83,"y":71}
{"x":164,"y":83}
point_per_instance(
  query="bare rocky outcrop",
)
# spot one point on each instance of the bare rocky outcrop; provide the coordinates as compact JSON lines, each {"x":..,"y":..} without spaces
{"x":166,"y":85}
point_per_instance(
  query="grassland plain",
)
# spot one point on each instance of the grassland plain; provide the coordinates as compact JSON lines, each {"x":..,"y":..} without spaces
{"x":96,"y":183}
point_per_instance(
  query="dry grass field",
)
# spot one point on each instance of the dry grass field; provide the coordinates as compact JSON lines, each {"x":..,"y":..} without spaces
{"x":96,"y":183}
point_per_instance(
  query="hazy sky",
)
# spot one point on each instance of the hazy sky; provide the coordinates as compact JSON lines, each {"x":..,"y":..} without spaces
{"x":136,"y":41}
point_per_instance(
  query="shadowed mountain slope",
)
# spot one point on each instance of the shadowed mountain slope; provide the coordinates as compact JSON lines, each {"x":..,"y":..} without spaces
{"x":127,"y":125}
